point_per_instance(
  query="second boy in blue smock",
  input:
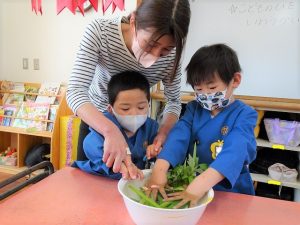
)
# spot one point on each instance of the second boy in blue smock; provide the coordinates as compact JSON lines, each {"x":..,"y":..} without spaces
{"x":221,"y":127}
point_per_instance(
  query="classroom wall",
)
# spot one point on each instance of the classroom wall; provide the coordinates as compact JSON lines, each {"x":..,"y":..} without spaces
{"x":53,"y":39}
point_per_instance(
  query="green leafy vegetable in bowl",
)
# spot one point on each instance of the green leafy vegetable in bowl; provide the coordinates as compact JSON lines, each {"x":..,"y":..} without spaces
{"x":179,"y":178}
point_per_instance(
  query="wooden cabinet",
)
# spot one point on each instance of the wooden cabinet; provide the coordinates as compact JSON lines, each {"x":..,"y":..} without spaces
{"x":24,"y":139}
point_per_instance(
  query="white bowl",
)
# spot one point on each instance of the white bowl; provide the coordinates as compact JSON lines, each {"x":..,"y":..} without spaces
{"x":143,"y":214}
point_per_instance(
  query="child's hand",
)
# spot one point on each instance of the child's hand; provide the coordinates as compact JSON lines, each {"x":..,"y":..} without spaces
{"x":197,"y":189}
{"x":156,"y":184}
{"x":185,"y":197}
{"x":152,"y":152}
{"x":159,"y":140}
{"x":130,"y":171}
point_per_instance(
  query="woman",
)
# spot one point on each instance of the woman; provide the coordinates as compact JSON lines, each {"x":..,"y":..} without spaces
{"x":150,"y":41}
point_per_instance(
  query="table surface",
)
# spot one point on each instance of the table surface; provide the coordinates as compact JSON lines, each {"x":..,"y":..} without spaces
{"x":72,"y":197}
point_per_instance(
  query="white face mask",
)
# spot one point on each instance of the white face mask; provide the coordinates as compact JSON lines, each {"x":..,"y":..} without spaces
{"x":214,"y":100}
{"x":144,"y":58}
{"x":131,"y":122}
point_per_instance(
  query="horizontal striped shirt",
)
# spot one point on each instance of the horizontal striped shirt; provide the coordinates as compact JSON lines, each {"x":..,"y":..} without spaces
{"x":101,"y":55}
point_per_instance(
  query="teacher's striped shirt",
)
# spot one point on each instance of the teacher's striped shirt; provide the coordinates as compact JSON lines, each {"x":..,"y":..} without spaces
{"x":102,"y":54}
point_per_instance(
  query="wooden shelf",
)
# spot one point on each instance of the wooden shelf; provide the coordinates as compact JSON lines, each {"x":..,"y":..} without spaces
{"x":10,"y":129}
{"x":259,"y":103}
{"x":265,"y":143}
{"x":12,"y":169}
{"x":24,"y":139}
{"x":29,"y":93}
{"x":266,"y":179}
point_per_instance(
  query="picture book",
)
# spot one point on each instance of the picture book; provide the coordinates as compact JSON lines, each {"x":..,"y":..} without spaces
{"x":29,"y":90}
{"x":52,"y":115}
{"x":47,"y":93}
{"x":30,"y":116}
{"x":16,"y":99}
{"x":9,"y":110}
{"x":1,"y":114}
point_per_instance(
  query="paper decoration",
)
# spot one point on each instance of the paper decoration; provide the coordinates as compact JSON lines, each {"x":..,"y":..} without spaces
{"x":94,"y":4}
{"x":81,"y":3}
{"x":36,"y":6}
{"x":70,"y":4}
{"x":114,"y":3}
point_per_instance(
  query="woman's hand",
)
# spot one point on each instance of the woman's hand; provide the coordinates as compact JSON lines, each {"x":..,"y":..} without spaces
{"x":115,"y":150}
{"x":114,"y":143}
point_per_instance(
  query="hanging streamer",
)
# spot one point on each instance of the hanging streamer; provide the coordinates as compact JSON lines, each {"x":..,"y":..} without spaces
{"x":80,"y":4}
{"x":70,"y":4}
{"x":36,"y":6}
{"x":114,"y":3}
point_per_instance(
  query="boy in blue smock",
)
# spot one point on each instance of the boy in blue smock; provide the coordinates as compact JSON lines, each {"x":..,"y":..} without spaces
{"x":221,"y":127}
{"x":129,"y":96}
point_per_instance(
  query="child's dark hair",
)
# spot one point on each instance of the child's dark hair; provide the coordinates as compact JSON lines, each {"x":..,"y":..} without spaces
{"x":127,"y":80}
{"x":168,"y":17}
{"x":209,"y":60}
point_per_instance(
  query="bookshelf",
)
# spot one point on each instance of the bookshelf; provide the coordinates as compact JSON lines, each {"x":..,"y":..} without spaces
{"x":23,"y":139}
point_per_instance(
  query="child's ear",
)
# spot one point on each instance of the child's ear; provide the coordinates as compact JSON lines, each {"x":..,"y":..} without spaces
{"x":237,"y":78}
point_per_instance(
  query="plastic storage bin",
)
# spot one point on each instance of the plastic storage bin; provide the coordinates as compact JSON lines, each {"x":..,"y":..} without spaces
{"x":283,"y":132}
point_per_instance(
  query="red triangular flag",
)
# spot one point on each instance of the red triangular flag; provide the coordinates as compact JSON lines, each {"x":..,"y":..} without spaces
{"x":40,"y":7}
{"x":105,"y":5}
{"x":114,"y":3}
{"x":94,"y":4}
{"x":80,"y":6}
{"x":36,"y":6}
{"x":119,"y":3}
{"x":33,"y":6}
{"x":70,"y":4}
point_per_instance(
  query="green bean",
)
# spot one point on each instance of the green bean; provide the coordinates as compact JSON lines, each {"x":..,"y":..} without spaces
{"x":149,"y":200}
{"x":160,"y":198}
{"x":165,"y":204}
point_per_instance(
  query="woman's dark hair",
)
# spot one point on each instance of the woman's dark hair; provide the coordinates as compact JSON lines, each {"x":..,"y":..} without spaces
{"x":211,"y":60}
{"x":127,"y":80}
{"x":168,"y":17}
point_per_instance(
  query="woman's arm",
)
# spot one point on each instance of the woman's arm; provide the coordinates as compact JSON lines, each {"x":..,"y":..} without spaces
{"x":168,"y":122}
{"x":78,"y":99}
{"x":172,"y":108}
{"x":114,"y":142}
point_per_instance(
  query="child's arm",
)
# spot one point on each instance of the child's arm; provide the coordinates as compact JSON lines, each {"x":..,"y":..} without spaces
{"x":197,"y":189}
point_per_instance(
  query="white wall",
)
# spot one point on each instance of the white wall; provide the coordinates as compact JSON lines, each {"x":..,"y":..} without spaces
{"x":54,"y":39}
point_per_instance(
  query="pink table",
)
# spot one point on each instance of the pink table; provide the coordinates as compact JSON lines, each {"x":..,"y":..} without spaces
{"x":72,"y":197}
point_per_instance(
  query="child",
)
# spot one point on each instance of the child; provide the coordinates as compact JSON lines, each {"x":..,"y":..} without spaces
{"x":128,"y":96}
{"x":221,"y":127}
